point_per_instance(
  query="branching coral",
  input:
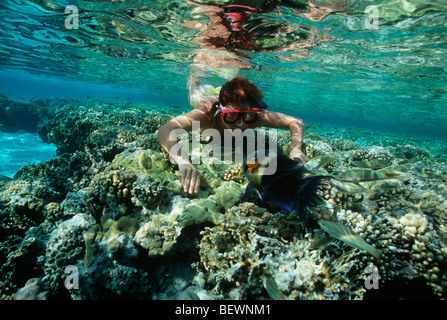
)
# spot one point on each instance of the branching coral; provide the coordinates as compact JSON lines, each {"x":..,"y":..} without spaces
{"x":230,"y":252}
{"x":234,"y":173}
{"x":250,"y":243}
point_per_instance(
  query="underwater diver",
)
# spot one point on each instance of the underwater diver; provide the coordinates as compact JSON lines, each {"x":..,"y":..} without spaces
{"x":236,"y":105}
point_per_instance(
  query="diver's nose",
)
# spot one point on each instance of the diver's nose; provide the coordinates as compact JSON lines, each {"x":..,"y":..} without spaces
{"x":240,"y":122}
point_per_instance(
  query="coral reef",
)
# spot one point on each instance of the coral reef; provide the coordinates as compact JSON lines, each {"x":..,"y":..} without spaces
{"x":234,"y":173}
{"x":110,"y":209}
{"x":21,"y":116}
{"x":31,"y":291}
{"x":251,"y":244}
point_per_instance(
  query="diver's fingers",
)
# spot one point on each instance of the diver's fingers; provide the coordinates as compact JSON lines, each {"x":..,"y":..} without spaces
{"x":192,"y":182}
{"x":195,"y":182}
{"x":183,"y":172}
{"x":187,"y":180}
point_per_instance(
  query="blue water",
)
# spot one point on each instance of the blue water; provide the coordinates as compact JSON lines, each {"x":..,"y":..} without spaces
{"x":23,"y":86}
{"x":328,"y":63}
{"x":20,"y":149}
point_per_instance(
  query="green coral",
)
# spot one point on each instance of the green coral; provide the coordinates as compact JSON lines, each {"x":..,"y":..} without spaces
{"x":228,"y":194}
{"x":148,"y":162}
{"x":90,"y":238}
{"x":200,"y":211}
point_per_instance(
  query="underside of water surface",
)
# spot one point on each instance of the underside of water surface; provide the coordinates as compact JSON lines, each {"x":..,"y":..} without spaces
{"x":92,"y":208}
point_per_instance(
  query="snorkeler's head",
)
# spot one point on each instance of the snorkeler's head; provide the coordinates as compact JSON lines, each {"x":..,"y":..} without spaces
{"x":240,"y":91}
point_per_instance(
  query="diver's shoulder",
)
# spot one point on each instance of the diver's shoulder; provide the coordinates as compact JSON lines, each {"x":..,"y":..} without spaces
{"x":205,"y":114}
{"x":203,"y":96}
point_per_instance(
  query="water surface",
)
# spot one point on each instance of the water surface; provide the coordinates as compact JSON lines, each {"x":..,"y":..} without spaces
{"x":327,"y":61}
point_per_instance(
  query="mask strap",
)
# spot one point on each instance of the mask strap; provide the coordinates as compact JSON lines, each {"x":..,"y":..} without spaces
{"x":262,"y":104}
{"x":219,"y":110}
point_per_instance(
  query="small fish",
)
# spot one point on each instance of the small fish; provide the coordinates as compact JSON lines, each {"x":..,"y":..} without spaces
{"x":348,"y":187}
{"x":371,"y":164}
{"x":199,"y":280}
{"x":272,"y":289}
{"x":343,"y":233}
{"x":95,"y":213}
{"x":320,"y":242}
{"x":428,"y":174}
{"x":392,"y":173}
{"x":364,"y":175}
{"x":280,"y":180}
{"x":403,"y":162}
{"x":191,"y":294}
{"x":360,"y":175}
{"x":388,"y":185}
{"x":319,"y":161}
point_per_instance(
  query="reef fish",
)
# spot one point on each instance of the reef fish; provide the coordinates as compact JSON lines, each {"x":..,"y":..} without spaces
{"x":319,"y":161}
{"x":348,"y":187}
{"x":371,"y":164}
{"x":281,"y":181}
{"x":392,"y":173}
{"x":363,"y":175}
{"x":343,"y":233}
{"x":272,"y":289}
{"x":321,"y":241}
{"x":428,"y":174}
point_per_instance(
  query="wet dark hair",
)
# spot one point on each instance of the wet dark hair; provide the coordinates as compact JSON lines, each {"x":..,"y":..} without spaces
{"x":240,"y":90}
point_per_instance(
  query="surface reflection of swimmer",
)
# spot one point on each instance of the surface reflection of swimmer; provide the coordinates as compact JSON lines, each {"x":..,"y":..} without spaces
{"x":255,"y":26}
{"x":235,"y":30}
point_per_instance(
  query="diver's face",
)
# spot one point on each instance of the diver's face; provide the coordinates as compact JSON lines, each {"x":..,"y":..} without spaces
{"x":240,"y":122}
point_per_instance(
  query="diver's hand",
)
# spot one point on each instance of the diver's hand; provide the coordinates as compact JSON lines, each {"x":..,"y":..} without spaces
{"x":190,"y":177}
{"x":297,"y":154}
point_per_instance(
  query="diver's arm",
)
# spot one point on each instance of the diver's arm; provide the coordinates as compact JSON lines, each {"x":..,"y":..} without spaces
{"x":282,"y":121}
{"x":167,"y":135}
{"x":297,"y":134}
